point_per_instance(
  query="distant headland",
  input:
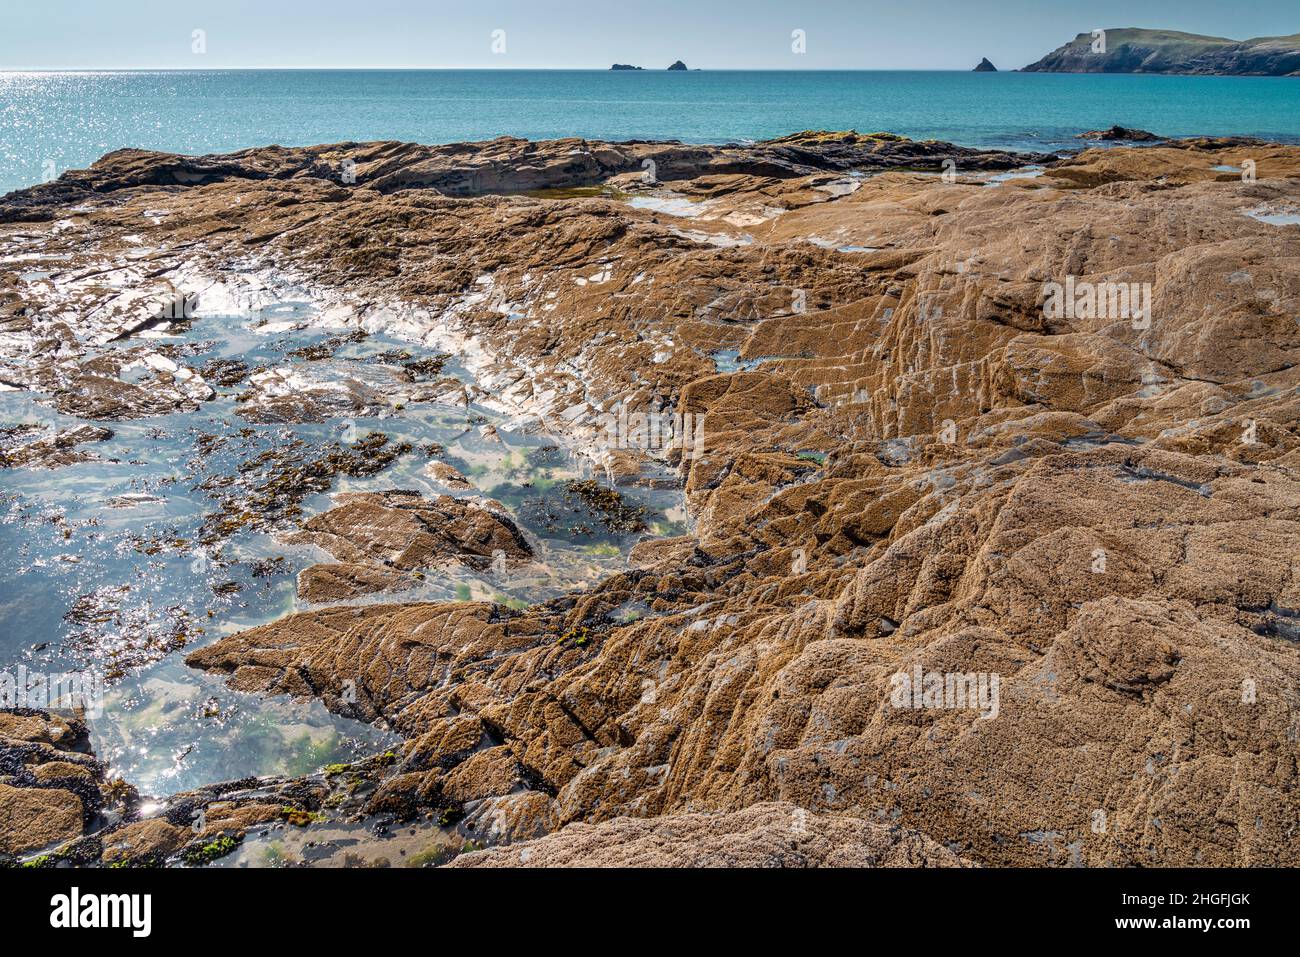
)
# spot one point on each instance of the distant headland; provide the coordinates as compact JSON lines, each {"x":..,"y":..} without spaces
{"x":1130,"y":50}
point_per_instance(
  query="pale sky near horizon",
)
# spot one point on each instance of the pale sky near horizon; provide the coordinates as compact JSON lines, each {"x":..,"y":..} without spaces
{"x":580,"y":34}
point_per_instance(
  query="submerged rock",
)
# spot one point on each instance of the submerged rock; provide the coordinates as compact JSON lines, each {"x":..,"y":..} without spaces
{"x":404,"y":532}
{"x":270,"y":487}
{"x":448,"y":476}
{"x":48,"y":451}
{"x":317,"y":391}
{"x":347,"y":580}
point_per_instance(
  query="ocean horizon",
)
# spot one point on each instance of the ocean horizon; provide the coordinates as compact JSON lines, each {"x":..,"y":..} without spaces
{"x":52,"y":121}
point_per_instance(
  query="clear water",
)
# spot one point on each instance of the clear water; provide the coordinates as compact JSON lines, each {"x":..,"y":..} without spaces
{"x":728,"y":360}
{"x":69,"y":119}
{"x":1276,"y":218}
{"x":100,"y":570}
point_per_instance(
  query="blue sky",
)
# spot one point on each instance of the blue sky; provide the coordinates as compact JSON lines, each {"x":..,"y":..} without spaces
{"x":712,"y":34}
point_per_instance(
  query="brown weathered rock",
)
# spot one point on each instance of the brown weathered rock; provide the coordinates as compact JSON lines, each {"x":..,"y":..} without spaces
{"x":150,"y":841}
{"x":403,"y":532}
{"x":765,"y":835}
{"x":49,"y":785}
{"x":905,"y":462}
{"x":33,"y":818}
{"x":346,"y":580}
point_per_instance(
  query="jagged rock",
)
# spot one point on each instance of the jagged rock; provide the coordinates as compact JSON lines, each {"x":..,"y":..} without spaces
{"x":677,"y":65}
{"x":984,"y":66}
{"x":320,"y":652}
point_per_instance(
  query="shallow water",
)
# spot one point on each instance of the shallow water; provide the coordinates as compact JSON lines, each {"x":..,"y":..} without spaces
{"x":728,"y":360}
{"x":1276,"y":218}
{"x":334,"y":843}
{"x":669,"y":205}
{"x":100,"y":566}
{"x":1029,"y":172}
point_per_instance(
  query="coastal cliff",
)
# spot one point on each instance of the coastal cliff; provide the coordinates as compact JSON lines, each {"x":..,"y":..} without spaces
{"x":1130,"y":50}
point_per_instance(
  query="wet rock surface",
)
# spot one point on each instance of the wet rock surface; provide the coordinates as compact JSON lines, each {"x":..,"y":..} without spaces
{"x":906,"y":465}
{"x":59,"y":809}
{"x":320,"y":390}
{"x":379,"y":536}
{"x":50,"y":784}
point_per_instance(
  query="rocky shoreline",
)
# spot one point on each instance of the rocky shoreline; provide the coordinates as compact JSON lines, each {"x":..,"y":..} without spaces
{"x":907,"y":463}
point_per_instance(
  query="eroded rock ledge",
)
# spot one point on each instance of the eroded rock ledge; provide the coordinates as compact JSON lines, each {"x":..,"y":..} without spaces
{"x":764,"y":835}
{"x":384,"y":540}
{"x":907,"y":462}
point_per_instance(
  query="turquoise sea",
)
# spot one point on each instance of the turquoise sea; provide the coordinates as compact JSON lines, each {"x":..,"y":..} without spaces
{"x":67,"y":120}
